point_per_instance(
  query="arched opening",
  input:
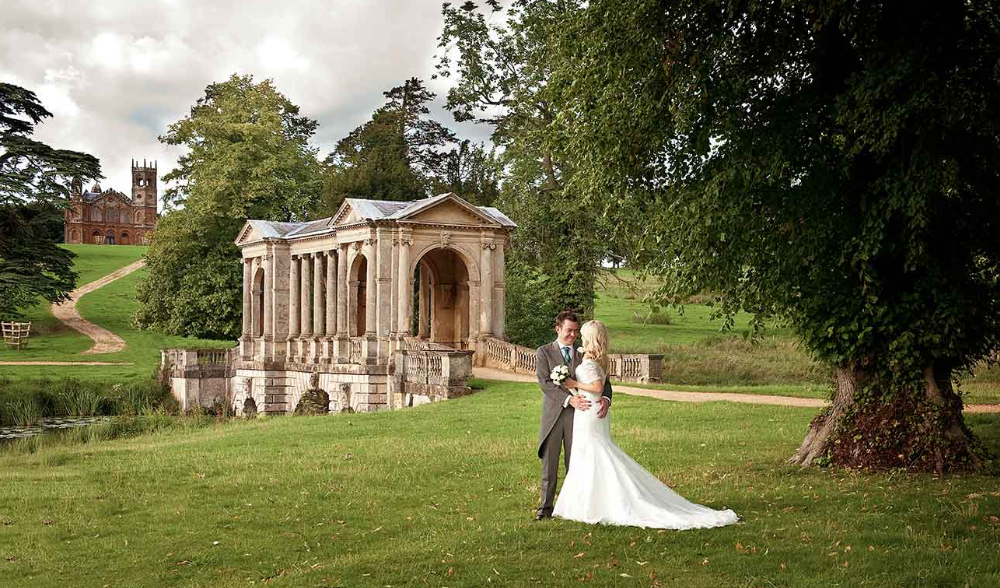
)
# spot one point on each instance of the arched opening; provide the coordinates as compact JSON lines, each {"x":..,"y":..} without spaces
{"x":124,"y":239}
{"x":126,"y":217}
{"x":442,"y":302}
{"x":74,"y":236}
{"x":97,"y":237}
{"x":357,"y":282}
{"x":258,"y":303}
{"x":110,"y":238}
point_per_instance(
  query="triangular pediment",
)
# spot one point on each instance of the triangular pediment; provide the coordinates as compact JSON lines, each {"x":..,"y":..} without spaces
{"x":345,"y":215}
{"x":248,"y":235}
{"x":448,"y":209}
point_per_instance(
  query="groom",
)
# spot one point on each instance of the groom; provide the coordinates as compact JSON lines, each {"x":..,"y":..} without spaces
{"x":559,"y":405}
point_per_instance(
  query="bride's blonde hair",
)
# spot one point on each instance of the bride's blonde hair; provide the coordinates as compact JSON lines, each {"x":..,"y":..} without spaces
{"x":595,"y":342}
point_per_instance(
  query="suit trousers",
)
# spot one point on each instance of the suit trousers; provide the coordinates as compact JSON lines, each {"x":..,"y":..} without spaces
{"x":560,"y":437}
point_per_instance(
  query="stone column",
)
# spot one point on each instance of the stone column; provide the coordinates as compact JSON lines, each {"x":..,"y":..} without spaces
{"x":343,"y":332}
{"x":294,"y":310}
{"x":498,"y":291}
{"x":268,"y":285}
{"x":342,"y":290}
{"x":318,"y":311}
{"x":370,"y":349}
{"x":304,"y":303}
{"x":246,"y":348}
{"x":486,"y":290}
{"x":371,"y":288}
{"x":331,"y":304}
{"x":405,"y":279}
{"x":247,"y":299}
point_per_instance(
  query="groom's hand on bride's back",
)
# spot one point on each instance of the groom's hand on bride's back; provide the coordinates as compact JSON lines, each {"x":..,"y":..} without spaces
{"x":579,"y":402}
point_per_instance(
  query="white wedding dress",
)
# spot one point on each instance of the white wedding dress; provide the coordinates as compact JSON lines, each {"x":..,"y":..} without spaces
{"x":605,"y":485}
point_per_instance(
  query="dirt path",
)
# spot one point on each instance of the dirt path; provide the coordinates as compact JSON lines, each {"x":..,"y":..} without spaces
{"x":104,"y":340}
{"x":492,"y":374}
{"x":66,"y":363}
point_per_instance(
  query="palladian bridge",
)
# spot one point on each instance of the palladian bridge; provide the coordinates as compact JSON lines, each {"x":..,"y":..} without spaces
{"x":381,"y":305}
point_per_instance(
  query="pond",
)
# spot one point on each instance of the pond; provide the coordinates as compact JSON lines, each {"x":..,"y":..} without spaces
{"x":48,"y":424}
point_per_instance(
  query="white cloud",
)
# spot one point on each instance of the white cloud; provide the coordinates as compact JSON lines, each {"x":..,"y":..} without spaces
{"x":115,"y":73}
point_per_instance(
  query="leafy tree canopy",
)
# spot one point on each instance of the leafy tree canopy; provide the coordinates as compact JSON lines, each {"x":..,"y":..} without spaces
{"x":248,"y":157}
{"x":501,"y":60}
{"x":399,"y":154}
{"x":831,"y":163}
{"x":34,"y":183}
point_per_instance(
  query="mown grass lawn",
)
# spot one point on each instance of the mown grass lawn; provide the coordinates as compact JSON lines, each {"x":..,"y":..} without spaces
{"x":50,"y":339}
{"x":110,"y":307}
{"x":442,"y":495}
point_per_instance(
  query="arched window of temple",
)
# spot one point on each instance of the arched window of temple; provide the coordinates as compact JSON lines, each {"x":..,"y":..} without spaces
{"x":95,"y":214}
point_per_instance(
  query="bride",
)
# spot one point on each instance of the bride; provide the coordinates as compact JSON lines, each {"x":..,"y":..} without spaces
{"x":604,"y":484}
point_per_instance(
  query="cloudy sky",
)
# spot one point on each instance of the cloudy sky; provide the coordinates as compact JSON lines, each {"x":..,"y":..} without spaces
{"x":115,"y":73}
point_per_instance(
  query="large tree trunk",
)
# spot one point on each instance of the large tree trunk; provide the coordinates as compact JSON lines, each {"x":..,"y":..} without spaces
{"x":822,"y":428}
{"x":920,"y":428}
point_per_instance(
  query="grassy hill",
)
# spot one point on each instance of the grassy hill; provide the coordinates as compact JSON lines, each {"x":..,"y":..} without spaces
{"x":110,"y":307}
{"x":442,"y":495}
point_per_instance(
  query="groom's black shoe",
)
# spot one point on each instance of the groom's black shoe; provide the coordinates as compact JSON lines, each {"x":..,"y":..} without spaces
{"x":543,"y":513}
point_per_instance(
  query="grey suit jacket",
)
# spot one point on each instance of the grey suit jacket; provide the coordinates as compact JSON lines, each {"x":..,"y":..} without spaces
{"x":553,"y":396}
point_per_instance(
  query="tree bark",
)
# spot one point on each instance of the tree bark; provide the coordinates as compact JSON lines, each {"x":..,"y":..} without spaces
{"x":919,"y":429}
{"x":821,"y":429}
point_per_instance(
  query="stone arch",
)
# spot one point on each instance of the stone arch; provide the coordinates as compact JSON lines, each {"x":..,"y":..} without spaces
{"x":471,"y":264}
{"x":444,"y":308}
{"x":96,"y":214}
{"x":126,"y":217}
{"x":124,"y":239}
{"x":257,"y":308}
{"x":110,"y":237}
{"x":357,"y":288}
{"x":74,"y":236}
{"x":96,"y":237}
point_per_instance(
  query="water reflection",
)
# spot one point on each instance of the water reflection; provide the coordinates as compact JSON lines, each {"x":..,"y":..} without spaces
{"x":48,"y":424}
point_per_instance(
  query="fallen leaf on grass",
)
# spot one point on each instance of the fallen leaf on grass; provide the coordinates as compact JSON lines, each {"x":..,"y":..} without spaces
{"x":581,"y":554}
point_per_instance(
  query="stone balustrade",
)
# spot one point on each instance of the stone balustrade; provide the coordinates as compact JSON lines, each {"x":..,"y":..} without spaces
{"x":624,"y":367}
{"x":424,"y":376}
{"x":198,"y":376}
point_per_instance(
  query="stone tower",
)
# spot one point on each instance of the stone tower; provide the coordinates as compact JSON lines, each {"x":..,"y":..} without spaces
{"x":144,"y":185}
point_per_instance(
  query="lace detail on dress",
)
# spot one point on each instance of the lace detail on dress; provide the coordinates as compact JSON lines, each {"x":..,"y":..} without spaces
{"x":589,"y":371}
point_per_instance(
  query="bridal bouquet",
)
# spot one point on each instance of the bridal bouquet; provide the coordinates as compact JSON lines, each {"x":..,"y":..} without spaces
{"x":559,"y":374}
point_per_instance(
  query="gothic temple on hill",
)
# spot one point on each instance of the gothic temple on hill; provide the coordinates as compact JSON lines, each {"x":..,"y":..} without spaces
{"x":110,"y":217}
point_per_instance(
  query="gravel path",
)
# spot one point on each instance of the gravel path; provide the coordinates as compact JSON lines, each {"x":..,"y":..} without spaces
{"x":66,"y":363}
{"x":493,"y":374}
{"x":104,"y":340}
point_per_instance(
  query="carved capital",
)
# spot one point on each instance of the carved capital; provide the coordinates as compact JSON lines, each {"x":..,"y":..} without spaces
{"x":356,"y":246}
{"x":488,"y":245}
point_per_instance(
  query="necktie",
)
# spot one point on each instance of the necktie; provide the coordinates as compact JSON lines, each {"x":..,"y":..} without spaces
{"x":566,"y":355}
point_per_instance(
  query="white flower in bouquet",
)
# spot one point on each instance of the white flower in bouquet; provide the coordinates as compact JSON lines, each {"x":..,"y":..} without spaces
{"x":559,"y":374}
